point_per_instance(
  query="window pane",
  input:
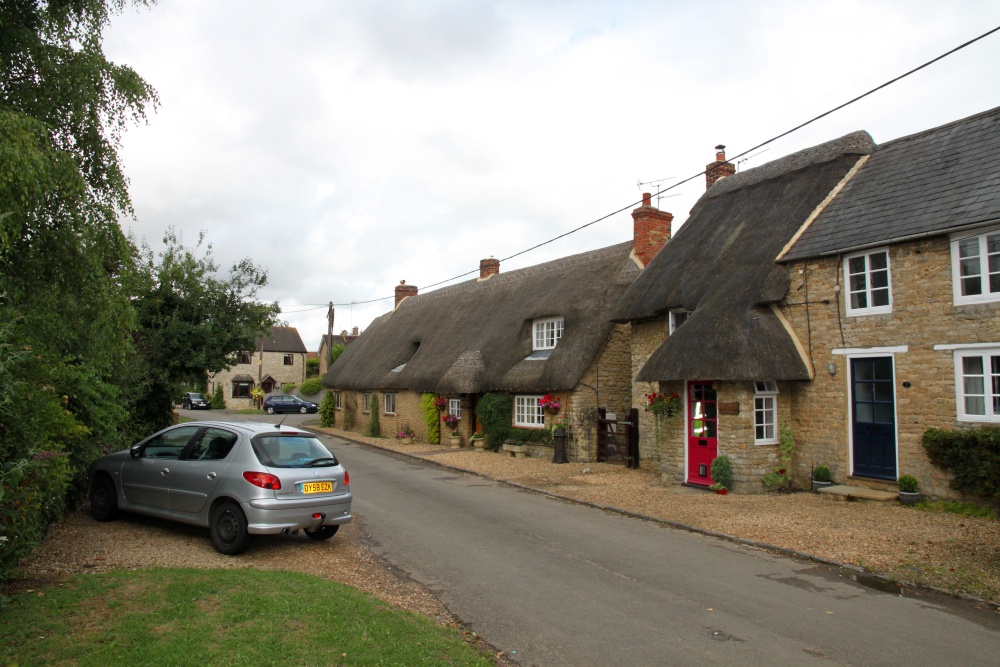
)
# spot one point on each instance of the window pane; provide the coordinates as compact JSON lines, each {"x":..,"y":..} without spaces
{"x":973,"y":385}
{"x":878,"y":261}
{"x":972,"y":365}
{"x":859,"y":300}
{"x":883,"y":392}
{"x":863,"y":370}
{"x":993,"y":243}
{"x":880,"y":279}
{"x":856,"y":265}
{"x":975,"y":405}
{"x":969,"y":267}
{"x":759,"y":433}
{"x":971,"y":286}
{"x":863,"y":392}
{"x":858,"y":282}
{"x":968,"y":247}
{"x":865,"y":414}
{"x":883,"y":413}
{"x":880,"y":297}
{"x":883,"y":369}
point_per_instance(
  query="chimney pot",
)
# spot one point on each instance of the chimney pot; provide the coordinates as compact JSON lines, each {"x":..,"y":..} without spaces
{"x":647,"y":199}
{"x":718,"y":170}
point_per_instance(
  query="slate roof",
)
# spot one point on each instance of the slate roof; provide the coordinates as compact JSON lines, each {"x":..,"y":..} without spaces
{"x":282,"y":339}
{"x":475,"y":336}
{"x":720,"y":266}
{"x":931,"y":183}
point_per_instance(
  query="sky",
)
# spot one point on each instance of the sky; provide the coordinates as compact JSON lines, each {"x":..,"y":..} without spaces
{"x":346,"y":145}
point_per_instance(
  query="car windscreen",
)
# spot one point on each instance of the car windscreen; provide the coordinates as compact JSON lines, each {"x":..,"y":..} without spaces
{"x":197,"y":397}
{"x":282,"y":450}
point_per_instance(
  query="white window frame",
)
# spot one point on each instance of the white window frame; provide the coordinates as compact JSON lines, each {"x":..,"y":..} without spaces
{"x":338,"y":400}
{"x":389,"y":403}
{"x":985,"y":295}
{"x":527,"y":412}
{"x":546,"y":332}
{"x":990,"y":384}
{"x":867,"y":290}
{"x":455,"y":407}
{"x":765,"y":402}
{"x":366,"y":403}
{"x":675,"y":315}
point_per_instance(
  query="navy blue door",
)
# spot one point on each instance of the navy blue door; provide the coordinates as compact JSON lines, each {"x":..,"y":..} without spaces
{"x":873,"y":416}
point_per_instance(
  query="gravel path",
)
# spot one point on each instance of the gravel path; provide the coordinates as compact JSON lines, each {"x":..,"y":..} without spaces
{"x":953,"y":553}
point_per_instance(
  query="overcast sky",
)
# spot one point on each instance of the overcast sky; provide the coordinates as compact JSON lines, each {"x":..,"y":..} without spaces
{"x":346,"y":145}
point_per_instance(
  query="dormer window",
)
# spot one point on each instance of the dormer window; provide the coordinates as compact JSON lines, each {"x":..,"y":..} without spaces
{"x":547,"y":333}
{"x":677,"y":317}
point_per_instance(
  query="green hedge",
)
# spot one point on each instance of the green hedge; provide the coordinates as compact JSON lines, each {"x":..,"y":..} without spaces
{"x":328,"y":410}
{"x":311,"y":386}
{"x":971,"y":456}
{"x":431,"y":418}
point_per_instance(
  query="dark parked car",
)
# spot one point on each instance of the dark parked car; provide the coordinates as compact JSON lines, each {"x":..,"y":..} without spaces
{"x":274,"y":404}
{"x":237,"y":480}
{"x":194,"y":401}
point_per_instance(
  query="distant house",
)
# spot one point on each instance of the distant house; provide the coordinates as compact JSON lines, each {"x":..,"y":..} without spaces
{"x":280,"y":358}
{"x":895,"y":295}
{"x":705,"y":321}
{"x":539,"y":330}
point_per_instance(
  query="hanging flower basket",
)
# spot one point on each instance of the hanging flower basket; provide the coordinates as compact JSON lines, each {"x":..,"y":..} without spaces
{"x":440,"y":402}
{"x":663,"y":405}
{"x":451,"y":420}
{"x":550,"y":403}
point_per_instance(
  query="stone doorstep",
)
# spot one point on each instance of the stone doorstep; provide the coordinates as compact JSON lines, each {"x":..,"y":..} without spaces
{"x":842,"y":491}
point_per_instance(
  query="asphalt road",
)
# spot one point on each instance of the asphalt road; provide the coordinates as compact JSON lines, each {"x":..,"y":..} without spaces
{"x":553,"y":583}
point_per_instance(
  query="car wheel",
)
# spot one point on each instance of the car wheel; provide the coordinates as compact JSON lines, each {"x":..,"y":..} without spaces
{"x":303,"y":409}
{"x":229,"y":529}
{"x":103,"y":499}
{"x":322,"y":533}
{"x":269,"y":409}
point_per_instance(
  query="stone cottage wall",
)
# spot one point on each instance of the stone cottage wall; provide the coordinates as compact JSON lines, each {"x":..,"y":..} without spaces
{"x":274,"y":365}
{"x":606,"y":383}
{"x":923,"y":315}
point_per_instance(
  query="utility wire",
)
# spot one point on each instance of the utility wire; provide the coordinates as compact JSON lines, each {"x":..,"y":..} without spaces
{"x":701,"y":173}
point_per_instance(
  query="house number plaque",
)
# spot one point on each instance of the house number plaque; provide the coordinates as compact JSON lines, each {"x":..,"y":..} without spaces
{"x":729,"y":408}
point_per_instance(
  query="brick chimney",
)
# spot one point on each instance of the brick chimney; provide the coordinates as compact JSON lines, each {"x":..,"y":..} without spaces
{"x":488,"y":267}
{"x":718,"y":170}
{"x":403,"y":290}
{"x":651,"y":229}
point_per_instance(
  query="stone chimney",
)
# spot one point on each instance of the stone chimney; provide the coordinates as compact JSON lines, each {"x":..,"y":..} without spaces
{"x":488,"y":267}
{"x":403,"y":290}
{"x":651,"y":229}
{"x":718,"y":170}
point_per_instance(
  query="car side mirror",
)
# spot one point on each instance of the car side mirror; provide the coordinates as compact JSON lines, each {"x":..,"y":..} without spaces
{"x":135,"y":451}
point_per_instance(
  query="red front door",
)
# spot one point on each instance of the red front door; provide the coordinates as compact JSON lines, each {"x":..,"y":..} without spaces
{"x":702,"y":432}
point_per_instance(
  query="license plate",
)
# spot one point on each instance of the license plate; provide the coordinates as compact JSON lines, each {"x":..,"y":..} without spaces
{"x":317,"y":487}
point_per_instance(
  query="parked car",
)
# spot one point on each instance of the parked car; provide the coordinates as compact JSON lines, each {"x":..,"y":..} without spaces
{"x":193,"y":401}
{"x":237,"y":480}
{"x":274,"y":404}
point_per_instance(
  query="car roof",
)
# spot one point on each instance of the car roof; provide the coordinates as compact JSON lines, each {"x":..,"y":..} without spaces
{"x":250,"y":428}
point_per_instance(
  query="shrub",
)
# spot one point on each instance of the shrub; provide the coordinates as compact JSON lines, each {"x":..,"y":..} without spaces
{"x":218,"y":401}
{"x":971,"y":456}
{"x":312,"y":367}
{"x":494,"y":413}
{"x":350,"y":412}
{"x":374,"y":429}
{"x":336,"y":351}
{"x":288,"y":387}
{"x":722,"y":471}
{"x":908,"y":484}
{"x":311,"y":386}
{"x":328,"y":410}
{"x":429,"y":412}
{"x":822,"y":474}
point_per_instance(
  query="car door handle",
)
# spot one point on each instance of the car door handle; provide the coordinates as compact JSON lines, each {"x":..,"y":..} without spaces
{"x":165,"y":472}
{"x":212,"y":475}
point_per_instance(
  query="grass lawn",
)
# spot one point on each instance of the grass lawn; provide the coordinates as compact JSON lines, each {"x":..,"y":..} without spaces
{"x":218,"y":617}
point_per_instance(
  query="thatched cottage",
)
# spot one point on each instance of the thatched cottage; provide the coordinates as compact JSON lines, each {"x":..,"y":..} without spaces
{"x":543,"y":330}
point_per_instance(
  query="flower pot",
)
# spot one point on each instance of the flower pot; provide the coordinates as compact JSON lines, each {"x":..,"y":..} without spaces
{"x":406,"y":441}
{"x":722,"y":492}
{"x":454,"y":441}
{"x":820,"y":485}
{"x":908,"y":498}
{"x":479,"y":443}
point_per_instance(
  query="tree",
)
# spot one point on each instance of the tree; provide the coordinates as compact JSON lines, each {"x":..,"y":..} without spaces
{"x":190,"y":321}
{"x":335,"y":352}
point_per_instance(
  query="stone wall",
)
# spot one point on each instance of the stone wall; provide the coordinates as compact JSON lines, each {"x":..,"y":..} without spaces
{"x":923,"y":315}
{"x":605,"y":384}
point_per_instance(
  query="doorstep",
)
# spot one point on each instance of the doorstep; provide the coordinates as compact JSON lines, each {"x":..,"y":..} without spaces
{"x":844,"y":492}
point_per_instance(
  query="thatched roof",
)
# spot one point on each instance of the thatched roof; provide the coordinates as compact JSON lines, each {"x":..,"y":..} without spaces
{"x":934,"y":182}
{"x":474,"y":337}
{"x":720,"y":266}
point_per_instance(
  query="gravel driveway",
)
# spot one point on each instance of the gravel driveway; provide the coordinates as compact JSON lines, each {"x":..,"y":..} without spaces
{"x":957,"y":554}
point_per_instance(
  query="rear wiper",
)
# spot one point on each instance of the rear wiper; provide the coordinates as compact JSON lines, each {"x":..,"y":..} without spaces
{"x":323,"y":461}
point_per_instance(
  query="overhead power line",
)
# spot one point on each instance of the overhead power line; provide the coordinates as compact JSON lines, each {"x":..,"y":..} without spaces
{"x":700,"y":173}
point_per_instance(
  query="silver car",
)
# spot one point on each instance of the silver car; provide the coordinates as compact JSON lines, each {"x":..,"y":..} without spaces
{"x":236,"y":479}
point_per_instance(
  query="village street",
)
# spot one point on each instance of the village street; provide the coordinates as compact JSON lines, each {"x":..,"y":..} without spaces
{"x":553,"y":583}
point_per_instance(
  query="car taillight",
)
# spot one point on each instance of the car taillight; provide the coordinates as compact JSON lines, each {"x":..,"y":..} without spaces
{"x":347,"y":478}
{"x":264,"y":480}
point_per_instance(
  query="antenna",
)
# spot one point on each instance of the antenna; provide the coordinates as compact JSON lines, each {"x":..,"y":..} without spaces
{"x":744,"y":159}
{"x":657,"y":184}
